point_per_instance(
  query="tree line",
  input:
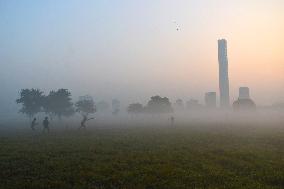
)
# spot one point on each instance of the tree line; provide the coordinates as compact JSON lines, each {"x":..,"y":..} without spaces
{"x":58,"y":103}
{"x":156,"y":105}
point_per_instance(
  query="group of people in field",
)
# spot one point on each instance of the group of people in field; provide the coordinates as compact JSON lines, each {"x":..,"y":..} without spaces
{"x":45,"y":123}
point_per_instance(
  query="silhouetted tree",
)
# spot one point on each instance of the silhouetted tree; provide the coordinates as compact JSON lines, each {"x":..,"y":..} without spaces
{"x":135,"y":108}
{"x":158,"y":104}
{"x":31,"y":100}
{"x":58,"y":103}
{"x":85,"y":105}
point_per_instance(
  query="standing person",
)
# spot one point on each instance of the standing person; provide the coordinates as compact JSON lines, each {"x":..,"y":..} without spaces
{"x":33,"y":124}
{"x":45,"y":124}
{"x":172,"y":120}
{"x":85,"y":119}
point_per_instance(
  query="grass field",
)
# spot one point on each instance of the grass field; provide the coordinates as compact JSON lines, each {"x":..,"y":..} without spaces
{"x":186,"y":156}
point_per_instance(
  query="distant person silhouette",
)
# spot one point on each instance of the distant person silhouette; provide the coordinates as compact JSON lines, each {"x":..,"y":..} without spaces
{"x":45,"y":124}
{"x":33,"y":124}
{"x":83,"y":122}
{"x":172,"y":120}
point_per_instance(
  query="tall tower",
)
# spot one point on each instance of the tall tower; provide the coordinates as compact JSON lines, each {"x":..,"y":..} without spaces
{"x":223,"y":74}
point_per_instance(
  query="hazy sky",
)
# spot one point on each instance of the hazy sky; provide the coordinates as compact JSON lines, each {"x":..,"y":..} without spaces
{"x":132,"y":50}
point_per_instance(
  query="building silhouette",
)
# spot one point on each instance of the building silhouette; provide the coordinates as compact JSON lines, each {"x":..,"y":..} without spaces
{"x":244,"y":102}
{"x":223,"y":74}
{"x":210,"y":100}
{"x":244,"y":93}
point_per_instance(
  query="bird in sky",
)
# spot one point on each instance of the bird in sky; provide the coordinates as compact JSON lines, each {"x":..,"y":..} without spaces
{"x":176,"y":25}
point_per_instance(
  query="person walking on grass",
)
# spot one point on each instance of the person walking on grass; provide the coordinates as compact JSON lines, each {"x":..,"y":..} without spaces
{"x":83,"y":122}
{"x":172,"y":120}
{"x":45,"y":124}
{"x":33,"y":124}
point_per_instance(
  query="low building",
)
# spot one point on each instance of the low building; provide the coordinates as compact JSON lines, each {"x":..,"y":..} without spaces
{"x":244,"y":102}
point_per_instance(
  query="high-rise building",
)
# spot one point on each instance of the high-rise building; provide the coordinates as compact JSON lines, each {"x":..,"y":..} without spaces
{"x":210,"y":99}
{"x":244,"y":93}
{"x":223,"y":74}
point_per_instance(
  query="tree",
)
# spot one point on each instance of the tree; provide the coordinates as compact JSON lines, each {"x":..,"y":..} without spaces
{"x":158,"y":104}
{"x":58,"y":103}
{"x":31,"y":100}
{"x":135,"y":108}
{"x":85,"y":105}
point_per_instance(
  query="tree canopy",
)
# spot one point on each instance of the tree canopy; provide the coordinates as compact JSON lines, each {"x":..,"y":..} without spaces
{"x":59,"y":103}
{"x":158,"y":104}
{"x":135,"y":108}
{"x":31,"y":100}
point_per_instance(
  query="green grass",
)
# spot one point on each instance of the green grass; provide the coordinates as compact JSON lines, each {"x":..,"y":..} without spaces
{"x":193,"y":156}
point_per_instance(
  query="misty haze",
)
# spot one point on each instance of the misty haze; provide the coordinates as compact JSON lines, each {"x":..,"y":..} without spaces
{"x":141,"y":94}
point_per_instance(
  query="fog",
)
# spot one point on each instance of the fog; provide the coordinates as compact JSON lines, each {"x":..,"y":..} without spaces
{"x":132,"y":51}
{"x":141,"y":94}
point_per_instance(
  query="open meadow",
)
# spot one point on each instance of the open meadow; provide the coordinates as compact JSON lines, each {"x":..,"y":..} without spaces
{"x":192,"y":155}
